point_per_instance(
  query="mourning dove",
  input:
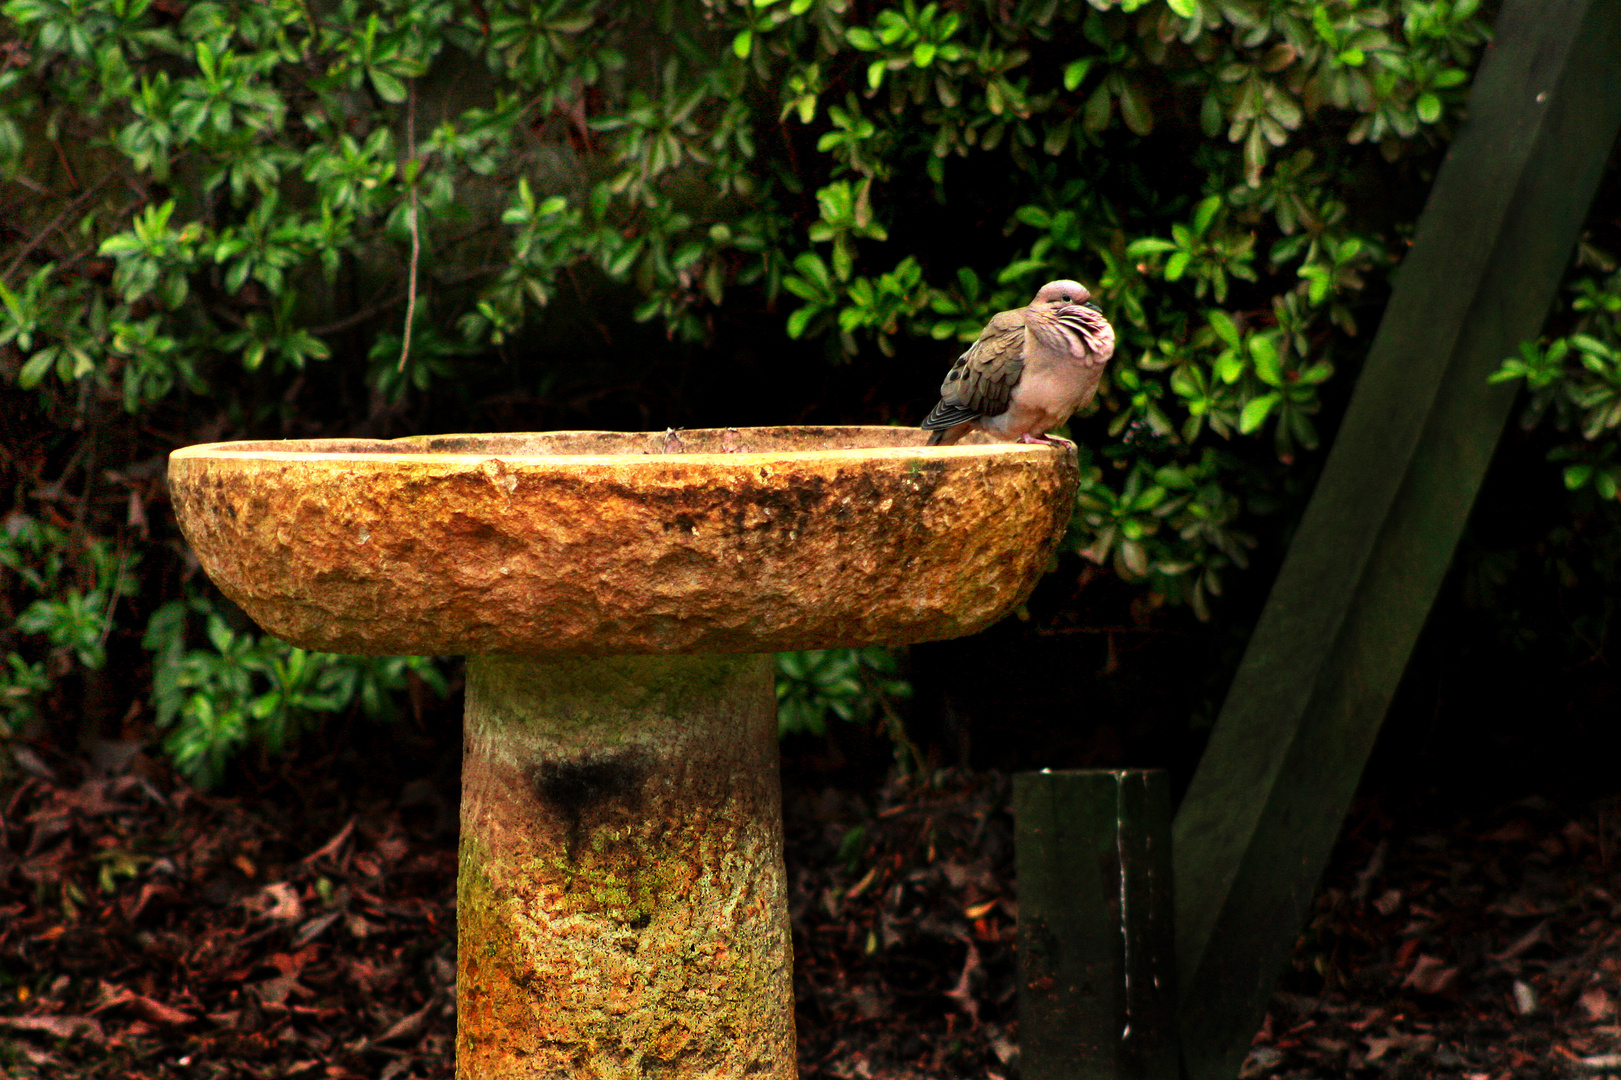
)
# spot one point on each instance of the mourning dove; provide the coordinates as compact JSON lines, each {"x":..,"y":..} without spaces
{"x":1028,"y":371}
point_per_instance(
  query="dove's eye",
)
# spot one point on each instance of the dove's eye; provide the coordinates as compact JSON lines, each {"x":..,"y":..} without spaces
{"x":1065,"y":298}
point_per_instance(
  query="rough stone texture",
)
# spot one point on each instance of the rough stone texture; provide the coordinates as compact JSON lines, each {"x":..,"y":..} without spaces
{"x":621,"y":903}
{"x":757,"y":540}
{"x":621,"y":906}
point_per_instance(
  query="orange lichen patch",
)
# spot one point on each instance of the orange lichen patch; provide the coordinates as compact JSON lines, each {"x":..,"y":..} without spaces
{"x":596,"y":543}
{"x":621,"y":902}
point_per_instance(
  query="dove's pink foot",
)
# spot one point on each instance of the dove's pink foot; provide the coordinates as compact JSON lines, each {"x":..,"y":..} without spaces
{"x":1042,"y":440}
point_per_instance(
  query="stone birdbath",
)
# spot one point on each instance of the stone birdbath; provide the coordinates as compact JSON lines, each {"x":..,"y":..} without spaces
{"x":621,"y":902}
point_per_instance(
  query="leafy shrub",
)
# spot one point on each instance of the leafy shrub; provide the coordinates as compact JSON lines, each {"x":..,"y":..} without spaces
{"x":1574,"y":381}
{"x":255,"y":690}
{"x":855,"y":685}
{"x":70,"y":604}
{"x":241,"y":217}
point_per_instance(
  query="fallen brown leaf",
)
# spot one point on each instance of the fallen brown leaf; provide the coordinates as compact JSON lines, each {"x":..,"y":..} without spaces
{"x":157,"y":1012}
{"x":1430,"y":975}
{"x":1596,"y":1004}
{"x":60,"y":1027}
{"x":279,"y":903}
{"x":408,"y":1028}
{"x":330,"y":849}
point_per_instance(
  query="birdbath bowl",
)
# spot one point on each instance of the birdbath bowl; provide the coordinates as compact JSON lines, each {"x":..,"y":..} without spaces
{"x":621,"y":903}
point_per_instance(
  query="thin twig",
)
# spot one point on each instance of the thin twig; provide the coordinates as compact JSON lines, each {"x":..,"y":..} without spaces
{"x":73,"y":177}
{"x":43,"y":234}
{"x":460,"y":238}
{"x":31,"y":184}
{"x":355,"y":318}
{"x":112,"y":604}
{"x":349,"y":322}
{"x":416,"y":234}
{"x":89,"y":467}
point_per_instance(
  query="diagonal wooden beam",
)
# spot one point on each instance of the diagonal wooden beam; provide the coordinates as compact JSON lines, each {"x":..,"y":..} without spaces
{"x":1269,"y":797}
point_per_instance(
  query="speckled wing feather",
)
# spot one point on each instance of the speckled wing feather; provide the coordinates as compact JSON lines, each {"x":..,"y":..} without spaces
{"x":981,"y":382}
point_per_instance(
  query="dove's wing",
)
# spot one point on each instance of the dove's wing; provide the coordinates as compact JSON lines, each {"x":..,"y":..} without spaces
{"x":981,"y":382}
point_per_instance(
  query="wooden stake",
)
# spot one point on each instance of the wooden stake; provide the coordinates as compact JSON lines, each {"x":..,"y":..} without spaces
{"x":1096,"y":983}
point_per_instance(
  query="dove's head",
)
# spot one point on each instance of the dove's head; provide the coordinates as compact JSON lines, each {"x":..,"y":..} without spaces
{"x":1063,"y":315}
{"x":1057,"y":294}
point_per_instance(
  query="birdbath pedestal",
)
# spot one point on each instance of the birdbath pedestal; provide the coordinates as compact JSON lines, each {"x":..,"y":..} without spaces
{"x":621,"y":903}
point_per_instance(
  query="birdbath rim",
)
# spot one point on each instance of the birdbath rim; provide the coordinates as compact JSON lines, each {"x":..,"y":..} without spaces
{"x":689,"y":541}
{"x":907,"y":442}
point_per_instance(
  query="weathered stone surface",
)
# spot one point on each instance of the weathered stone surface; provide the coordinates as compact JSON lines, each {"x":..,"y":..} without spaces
{"x":621,"y":906}
{"x":621,"y":902}
{"x":758,"y":540}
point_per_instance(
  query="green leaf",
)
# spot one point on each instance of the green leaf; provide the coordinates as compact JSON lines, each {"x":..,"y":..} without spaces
{"x":389,"y":88}
{"x":1177,"y":265}
{"x":861,"y":38}
{"x":1099,"y":107}
{"x":621,"y":263}
{"x":1149,"y":245}
{"x":862,"y":213}
{"x":1429,"y":108}
{"x":800,"y":319}
{"x":1188,"y":9}
{"x":1315,"y":374}
{"x":120,"y":244}
{"x":1592,"y":347}
{"x":1222,"y":323}
{"x":843,"y":258}
{"x":1134,"y":109}
{"x":1265,"y":355}
{"x":1256,"y":411}
{"x":1205,"y":213}
{"x":1075,"y":71}
{"x":1577,"y":475}
{"x":34,"y":370}
{"x":743,"y":44}
{"x":1034,"y":216}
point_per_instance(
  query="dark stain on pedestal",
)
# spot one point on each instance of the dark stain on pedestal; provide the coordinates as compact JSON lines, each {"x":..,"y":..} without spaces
{"x":584,"y":792}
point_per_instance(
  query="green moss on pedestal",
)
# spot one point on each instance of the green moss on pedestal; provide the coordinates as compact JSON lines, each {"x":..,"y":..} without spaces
{"x":621,"y":898}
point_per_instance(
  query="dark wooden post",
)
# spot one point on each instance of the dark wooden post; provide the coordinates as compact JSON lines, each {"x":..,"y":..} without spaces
{"x":1097,"y":996}
{"x":1288,"y":749}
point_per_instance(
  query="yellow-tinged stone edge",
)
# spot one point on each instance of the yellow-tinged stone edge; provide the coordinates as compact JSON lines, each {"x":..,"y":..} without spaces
{"x":696,"y":541}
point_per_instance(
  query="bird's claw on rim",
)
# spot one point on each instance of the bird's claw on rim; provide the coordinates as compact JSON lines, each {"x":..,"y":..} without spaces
{"x":1042,"y":440}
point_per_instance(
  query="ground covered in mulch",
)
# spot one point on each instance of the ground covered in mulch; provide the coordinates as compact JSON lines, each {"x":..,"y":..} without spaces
{"x":1485,"y":947}
{"x":306,"y":928}
{"x":149,"y":930}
